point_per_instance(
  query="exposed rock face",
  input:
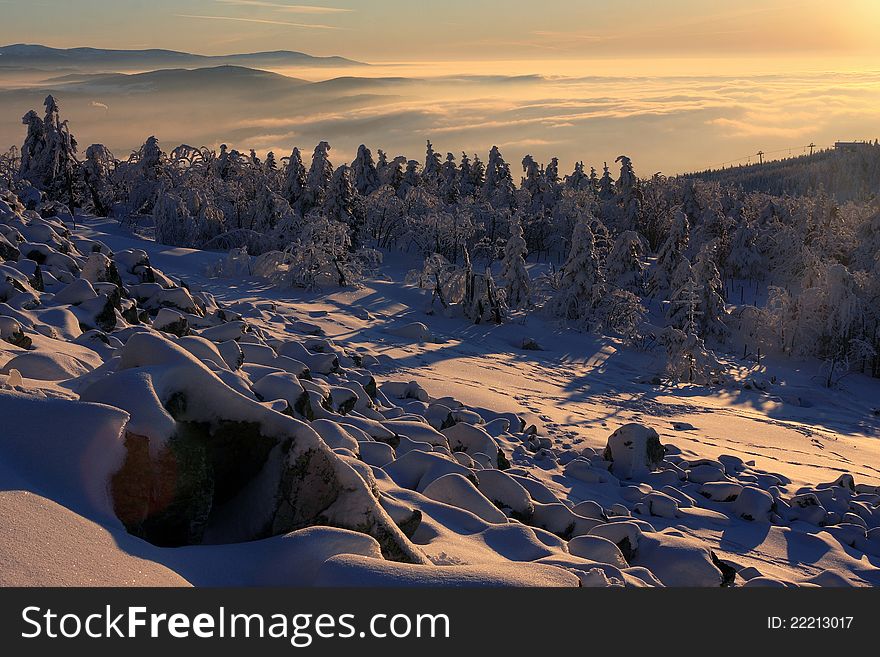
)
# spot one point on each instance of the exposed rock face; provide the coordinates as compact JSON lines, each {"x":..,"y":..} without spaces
{"x":207,"y":464}
{"x":634,"y":450}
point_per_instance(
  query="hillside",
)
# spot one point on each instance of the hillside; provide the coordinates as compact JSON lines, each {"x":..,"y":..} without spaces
{"x":847,"y":174}
{"x":99,"y":59}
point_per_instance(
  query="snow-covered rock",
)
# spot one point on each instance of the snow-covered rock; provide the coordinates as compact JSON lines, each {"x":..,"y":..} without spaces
{"x":634,"y":450}
{"x":455,"y":490}
{"x":271,"y":473}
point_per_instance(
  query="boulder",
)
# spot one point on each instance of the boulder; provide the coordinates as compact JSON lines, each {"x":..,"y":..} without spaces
{"x":634,"y":450}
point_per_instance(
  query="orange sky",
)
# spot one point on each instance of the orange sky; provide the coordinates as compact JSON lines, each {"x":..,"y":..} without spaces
{"x":395,"y":30}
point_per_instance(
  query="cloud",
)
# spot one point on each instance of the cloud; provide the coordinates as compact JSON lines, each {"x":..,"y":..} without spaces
{"x":745,"y":128}
{"x":292,"y":9}
{"x":671,"y":123}
{"x":314,"y":26}
{"x":98,"y":105}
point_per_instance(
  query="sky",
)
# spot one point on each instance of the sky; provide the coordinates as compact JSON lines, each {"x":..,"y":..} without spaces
{"x":405,"y":30}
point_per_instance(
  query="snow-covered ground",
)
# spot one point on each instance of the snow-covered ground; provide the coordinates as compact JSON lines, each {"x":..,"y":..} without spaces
{"x":473,"y":461}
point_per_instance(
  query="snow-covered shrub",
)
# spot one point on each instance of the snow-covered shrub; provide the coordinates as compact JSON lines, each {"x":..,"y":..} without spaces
{"x":688,"y":359}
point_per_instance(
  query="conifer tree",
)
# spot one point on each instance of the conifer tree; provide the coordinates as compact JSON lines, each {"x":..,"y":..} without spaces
{"x":514,"y":275}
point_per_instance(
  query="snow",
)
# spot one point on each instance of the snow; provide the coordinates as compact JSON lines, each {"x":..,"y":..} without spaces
{"x":730,"y":497}
{"x":455,"y":490}
{"x":597,"y":548}
{"x":46,"y":544}
{"x":361,"y":571}
{"x":45,"y":366}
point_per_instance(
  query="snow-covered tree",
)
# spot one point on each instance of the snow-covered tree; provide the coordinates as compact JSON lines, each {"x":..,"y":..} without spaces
{"x":514,"y":275}
{"x":498,"y":187}
{"x":366,"y":178}
{"x":713,"y":317}
{"x":465,"y":176}
{"x":607,"y":198}
{"x":431,"y":172}
{"x":392,"y":173}
{"x":318,"y":179}
{"x":145,"y":176}
{"x":551,"y":175}
{"x":744,"y":260}
{"x":687,"y":358}
{"x":48,"y":156}
{"x":578,"y":180}
{"x":343,"y":205}
{"x":450,"y":185}
{"x":263,"y":214}
{"x":684,"y":310}
{"x":97,"y":169}
{"x":619,"y":312}
{"x":478,"y":173}
{"x":582,"y":283}
{"x":411,"y":179}
{"x":321,"y":256}
{"x":630,"y":195}
{"x":531,"y":181}
{"x":482,"y":301}
{"x":294,"y":179}
{"x":625,"y":266}
{"x":670,"y":255}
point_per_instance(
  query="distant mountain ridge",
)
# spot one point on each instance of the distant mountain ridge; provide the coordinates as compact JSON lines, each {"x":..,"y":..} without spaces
{"x":99,"y":59}
{"x":213,"y":78}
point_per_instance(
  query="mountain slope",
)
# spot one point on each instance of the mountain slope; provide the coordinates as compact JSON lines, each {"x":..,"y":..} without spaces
{"x":845,"y":173}
{"x":99,"y":59}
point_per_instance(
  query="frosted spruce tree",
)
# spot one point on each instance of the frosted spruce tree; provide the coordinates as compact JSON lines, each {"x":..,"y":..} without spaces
{"x":145,"y":177}
{"x":263,"y":214}
{"x":630,"y":195}
{"x":381,"y":164}
{"x":594,"y":181}
{"x":687,"y":358}
{"x":551,"y":175}
{"x":450,"y":188}
{"x":97,"y":169}
{"x":581,"y":283}
{"x":498,"y":187}
{"x":578,"y":180}
{"x":532,"y":182}
{"x":392,"y":173}
{"x":343,"y":204}
{"x":625,"y":266}
{"x":48,"y":156}
{"x":670,"y":255}
{"x":465,"y":176}
{"x":294,"y":180}
{"x":744,"y":260}
{"x":607,"y":198}
{"x":431,"y":172}
{"x":366,"y":177}
{"x":685,"y":305}
{"x":713,"y":320}
{"x":478,"y":173}
{"x":514,"y":276}
{"x":318,"y":179}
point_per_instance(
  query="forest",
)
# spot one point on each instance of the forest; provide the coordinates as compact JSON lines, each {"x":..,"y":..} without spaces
{"x":779,"y":258}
